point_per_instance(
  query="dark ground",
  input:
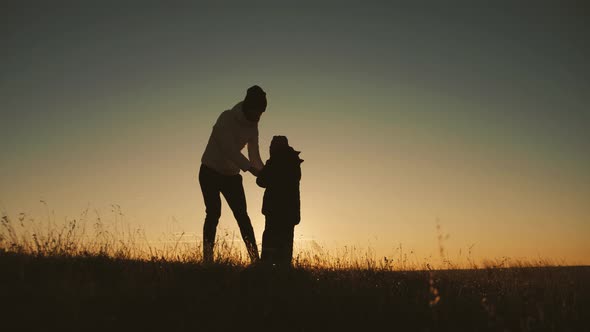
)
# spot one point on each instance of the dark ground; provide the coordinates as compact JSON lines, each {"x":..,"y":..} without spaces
{"x":106,"y":294}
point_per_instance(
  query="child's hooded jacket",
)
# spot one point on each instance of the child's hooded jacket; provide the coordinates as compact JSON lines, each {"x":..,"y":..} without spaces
{"x":280,"y":176}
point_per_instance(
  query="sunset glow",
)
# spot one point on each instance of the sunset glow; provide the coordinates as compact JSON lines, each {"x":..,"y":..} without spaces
{"x":406,"y":119}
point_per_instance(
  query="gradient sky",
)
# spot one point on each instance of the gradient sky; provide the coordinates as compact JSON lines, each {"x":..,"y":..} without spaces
{"x":475,"y":116}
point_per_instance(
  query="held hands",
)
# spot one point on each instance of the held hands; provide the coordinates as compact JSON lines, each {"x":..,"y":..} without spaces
{"x":255,"y":171}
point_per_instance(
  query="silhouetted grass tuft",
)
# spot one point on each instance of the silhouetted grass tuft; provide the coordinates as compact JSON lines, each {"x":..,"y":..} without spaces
{"x":88,"y":275}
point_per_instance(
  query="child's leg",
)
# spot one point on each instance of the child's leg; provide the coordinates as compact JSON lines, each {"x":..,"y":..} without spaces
{"x":285,"y":252}
{"x":289,"y":243}
{"x":269,"y":240}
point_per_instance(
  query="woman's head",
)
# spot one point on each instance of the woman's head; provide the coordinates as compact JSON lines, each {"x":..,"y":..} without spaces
{"x":254,"y":103}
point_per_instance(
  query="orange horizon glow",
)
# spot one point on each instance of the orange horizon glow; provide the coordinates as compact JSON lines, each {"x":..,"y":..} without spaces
{"x":405,"y":117}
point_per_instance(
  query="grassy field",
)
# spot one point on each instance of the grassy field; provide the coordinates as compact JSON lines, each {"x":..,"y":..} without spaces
{"x":56,"y":278}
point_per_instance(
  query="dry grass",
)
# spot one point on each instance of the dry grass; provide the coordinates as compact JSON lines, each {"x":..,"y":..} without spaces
{"x":91,"y":235}
{"x":88,"y":274}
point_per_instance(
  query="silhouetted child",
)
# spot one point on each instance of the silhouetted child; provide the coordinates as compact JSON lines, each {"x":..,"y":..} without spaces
{"x":281,"y":205}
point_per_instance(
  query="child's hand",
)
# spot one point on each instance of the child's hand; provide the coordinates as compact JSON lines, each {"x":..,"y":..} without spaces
{"x":254,"y":171}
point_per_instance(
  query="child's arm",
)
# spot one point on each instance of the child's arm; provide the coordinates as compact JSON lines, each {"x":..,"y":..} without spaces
{"x":263,"y":177}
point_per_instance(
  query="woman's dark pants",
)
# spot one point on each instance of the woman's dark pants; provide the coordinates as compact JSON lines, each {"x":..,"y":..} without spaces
{"x":212,"y":184}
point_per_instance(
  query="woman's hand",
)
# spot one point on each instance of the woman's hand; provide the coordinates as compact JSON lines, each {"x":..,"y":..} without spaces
{"x":255,"y":171}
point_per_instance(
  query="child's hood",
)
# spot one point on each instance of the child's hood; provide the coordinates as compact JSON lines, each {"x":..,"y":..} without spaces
{"x":287,"y":154}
